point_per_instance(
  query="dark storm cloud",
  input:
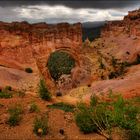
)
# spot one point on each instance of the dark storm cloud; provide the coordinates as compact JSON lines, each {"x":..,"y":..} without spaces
{"x":99,"y":4}
{"x":65,"y":10}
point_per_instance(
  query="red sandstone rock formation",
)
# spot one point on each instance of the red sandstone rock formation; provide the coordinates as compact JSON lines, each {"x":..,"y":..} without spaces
{"x":29,"y":45}
{"x":130,"y":25}
{"x":125,"y":35}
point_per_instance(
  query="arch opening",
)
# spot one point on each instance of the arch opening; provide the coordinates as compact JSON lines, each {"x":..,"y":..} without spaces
{"x":59,"y":63}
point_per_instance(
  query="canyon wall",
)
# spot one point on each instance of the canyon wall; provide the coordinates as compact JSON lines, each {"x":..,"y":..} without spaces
{"x":123,"y":37}
{"x":129,"y":26}
{"x":25,"y":45}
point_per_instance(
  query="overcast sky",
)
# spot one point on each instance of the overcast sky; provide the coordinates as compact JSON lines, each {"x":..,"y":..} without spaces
{"x":66,"y":10}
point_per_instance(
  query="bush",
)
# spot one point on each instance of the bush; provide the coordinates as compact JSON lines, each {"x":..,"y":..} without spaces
{"x":41,"y":126}
{"x":113,"y":74}
{"x":93,"y":100}
{"x":5,"y":95}
{"x":124,"y":114}
{"x":103,"y":116}
{"x":43,"y":91}
{"x":9,"y":88}
{"x":84,"y":119}
{"x":28,"y":70}
{"x":15,"y":115}
{"x":134,"y":134}
{"x":62,"y":106}
{"x":33,"y":108}
{"x":120,"y":70}
{"x":60,"y":63}
{"x":6,"y":92}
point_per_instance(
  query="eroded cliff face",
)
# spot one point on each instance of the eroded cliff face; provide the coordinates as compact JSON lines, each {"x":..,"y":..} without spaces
{"x":119,"y":41}
{"x":25,"y":45}
{"x":22,"y":42}
{"x":129,"y":26}
{"x":124,"y":35}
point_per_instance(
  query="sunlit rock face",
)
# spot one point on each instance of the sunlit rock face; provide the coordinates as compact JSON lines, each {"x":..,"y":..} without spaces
{"x":29,"y":45}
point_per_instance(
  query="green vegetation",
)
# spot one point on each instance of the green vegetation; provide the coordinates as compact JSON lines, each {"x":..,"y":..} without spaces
{"x":28,"y":70}
{"x":33,"y":108}
{"x":8,"y":88}
{"x":43,"y":91}
{"x":15,"y":115}
{"x":62,"y":106}
{"x":40,"y":125}
{"x":60,"y":63}
{"x":118,"y":68}
{"x":5,"y":95}
{"x":6,"y":92}
{"x":134,"y":134}
{"x":102,"y":116}
{"x":84,"y":119}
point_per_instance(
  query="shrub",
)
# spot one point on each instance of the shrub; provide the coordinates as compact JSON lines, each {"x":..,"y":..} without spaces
{"x":84,"y":119}
{"x":134,"y":134}
{"x":102,"y":116}
{"x":28,"y":70}
{"x":93,"y":100}
{"x":124,"y":115}
{"x":60,"y":63}
{"x":120,"y":69}
{"x":62,"y":106}
{"x":15,"y":115}
{"x":5,"y":95}
{"x":43,"y":91}
{"x":40,"y":126}
{"x":33,"y":108}
{"x":9,"y":88}
{"x":6,"y":92}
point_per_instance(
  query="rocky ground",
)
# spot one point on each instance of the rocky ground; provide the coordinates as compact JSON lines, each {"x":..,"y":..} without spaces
{"x":57,"y":119}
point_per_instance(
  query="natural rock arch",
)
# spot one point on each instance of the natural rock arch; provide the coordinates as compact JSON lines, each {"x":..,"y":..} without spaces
{"x":42,"y":61}
{"x":33,"y":44}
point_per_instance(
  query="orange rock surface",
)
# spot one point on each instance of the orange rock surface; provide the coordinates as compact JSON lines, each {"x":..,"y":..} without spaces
{"x":29,"y":45}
